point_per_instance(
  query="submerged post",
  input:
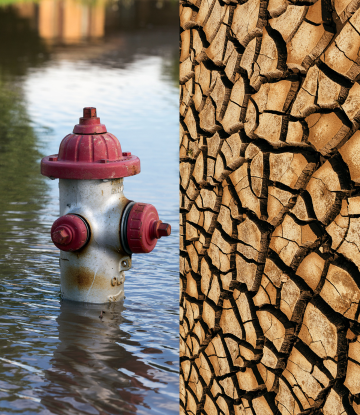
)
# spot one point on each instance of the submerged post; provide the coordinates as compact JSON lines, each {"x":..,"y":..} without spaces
{"x":99,"y":228}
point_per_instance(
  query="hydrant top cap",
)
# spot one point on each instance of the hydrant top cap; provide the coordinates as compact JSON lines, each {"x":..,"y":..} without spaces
{"x":90,"y":153}
{"x":89,"y":123}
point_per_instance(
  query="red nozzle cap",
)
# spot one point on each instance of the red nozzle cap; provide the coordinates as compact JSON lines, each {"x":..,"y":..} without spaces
{"x":69,"y":233}
{"x":144,"y":228}
{"x":62,"y":235}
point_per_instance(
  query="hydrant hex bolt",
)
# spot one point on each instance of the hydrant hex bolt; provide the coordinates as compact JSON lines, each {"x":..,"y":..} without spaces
{"x":99,"y":228}
{"x":89,"y":112}
{"x":61,"y":235}
{"x":160,"y":229}
{"x":164,"y":229}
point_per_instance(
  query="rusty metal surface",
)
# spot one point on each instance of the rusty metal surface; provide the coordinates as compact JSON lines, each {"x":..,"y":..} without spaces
{"x":88,"y":275}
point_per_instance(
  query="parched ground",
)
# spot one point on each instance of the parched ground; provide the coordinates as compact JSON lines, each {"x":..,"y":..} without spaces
{"x":270,"y":207}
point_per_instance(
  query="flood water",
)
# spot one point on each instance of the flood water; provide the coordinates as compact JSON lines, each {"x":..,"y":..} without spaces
{"x":56,"y":57}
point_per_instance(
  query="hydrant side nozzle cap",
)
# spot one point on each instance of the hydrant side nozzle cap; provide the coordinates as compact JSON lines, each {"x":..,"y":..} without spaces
{"x":70,"y":232}
{"x":144,"y":228}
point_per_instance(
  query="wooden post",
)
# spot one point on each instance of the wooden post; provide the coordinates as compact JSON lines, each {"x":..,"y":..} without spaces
{"x":270,"y":207}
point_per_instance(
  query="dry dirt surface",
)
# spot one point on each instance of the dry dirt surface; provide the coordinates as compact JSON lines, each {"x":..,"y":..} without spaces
{"x":270,"y":207}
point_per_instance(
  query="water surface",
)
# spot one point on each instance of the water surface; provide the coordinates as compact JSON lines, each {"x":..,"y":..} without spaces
{"x":59,"y":357}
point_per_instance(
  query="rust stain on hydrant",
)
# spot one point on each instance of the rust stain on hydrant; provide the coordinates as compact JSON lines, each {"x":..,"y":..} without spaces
{"x":99,"y":228}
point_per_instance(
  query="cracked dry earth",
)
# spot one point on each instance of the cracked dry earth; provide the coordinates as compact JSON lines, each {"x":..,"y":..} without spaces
{"x":270,"y":207}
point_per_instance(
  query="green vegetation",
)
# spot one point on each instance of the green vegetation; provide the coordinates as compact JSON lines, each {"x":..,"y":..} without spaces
{"x":19,"y":155}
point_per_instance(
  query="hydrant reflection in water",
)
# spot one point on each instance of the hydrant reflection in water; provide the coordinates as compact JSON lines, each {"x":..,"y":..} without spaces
{"x":99,"y":228}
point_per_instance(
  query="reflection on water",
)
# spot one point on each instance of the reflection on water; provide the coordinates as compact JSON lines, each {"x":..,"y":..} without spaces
{"x":97,"y":357}
{"x":60,"y":357}
{"x":68,"y":21}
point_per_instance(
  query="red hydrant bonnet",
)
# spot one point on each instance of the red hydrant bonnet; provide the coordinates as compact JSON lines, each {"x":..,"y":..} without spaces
{"x":90,"y":153}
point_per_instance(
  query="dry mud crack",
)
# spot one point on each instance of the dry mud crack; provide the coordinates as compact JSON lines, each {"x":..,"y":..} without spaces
{"x":270,"y":207}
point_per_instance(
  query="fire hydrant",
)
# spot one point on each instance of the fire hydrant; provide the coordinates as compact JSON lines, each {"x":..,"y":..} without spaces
{"x":99,"y":228}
